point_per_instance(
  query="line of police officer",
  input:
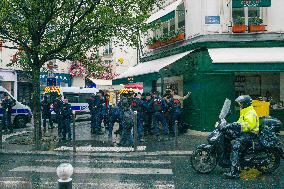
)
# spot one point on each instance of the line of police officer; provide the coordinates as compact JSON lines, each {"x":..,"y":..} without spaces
{"x":63,"y":113}
{"x":152,"y":110}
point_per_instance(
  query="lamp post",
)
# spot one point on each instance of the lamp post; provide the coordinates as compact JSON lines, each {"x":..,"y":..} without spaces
{"x":64,"y":172}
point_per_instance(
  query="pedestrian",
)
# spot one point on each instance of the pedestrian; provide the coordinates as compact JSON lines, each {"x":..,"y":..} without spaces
{"x":127,"y":124}
{"x":123,"y":97}
{"x":159,"y":106}
{"x":57,"y":107}
{"x":67,"y":117}
{"x":46,"y":113}
{"x":7,"y":105}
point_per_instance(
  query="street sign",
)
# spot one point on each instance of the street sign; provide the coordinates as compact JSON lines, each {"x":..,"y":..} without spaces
{"x":212,"y":19}
{"x":51,"y":81}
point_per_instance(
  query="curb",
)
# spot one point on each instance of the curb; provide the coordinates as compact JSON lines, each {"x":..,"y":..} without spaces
{"x":205,"y":134}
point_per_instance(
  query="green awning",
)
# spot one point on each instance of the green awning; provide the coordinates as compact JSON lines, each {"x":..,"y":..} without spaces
{"x":165,"y":14}
{"x":251,"y":3}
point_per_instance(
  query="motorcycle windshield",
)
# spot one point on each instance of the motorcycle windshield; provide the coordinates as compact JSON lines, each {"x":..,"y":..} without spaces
{"x":226,"y":108}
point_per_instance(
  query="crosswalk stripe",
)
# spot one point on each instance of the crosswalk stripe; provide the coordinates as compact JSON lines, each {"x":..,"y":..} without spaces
{"x":80,"y":170}
{"x":100,"y":149}
{"x":113,"y":161}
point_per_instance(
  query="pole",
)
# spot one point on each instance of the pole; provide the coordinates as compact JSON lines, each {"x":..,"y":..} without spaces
{"x":1,"y":136}
{"x":176,"y":132}
{"x":73,"y":133}
{"x":65,"y":185}
{"x":135,"y":131}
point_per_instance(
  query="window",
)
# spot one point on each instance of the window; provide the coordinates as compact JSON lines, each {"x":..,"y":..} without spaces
{"x":180,"y":16}
{"x":83,"y":97}
{"x":72,"y":97}
{"x":246,"y":13}
{"x":165,"y":28}
{"x":108,"y":49}
{"x":172,"y":25}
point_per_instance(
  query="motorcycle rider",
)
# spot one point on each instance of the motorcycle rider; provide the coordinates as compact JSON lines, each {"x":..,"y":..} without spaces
{"x":246,"y":129}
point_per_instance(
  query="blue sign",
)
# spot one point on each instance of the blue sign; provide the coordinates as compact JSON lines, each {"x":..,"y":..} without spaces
{"x":212,"y":19}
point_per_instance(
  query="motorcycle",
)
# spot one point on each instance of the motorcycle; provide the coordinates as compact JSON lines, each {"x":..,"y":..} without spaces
{"x":264,"y":152}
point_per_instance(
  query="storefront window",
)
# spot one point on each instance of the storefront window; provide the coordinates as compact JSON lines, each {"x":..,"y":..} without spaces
{"x":172,"y":25}
{"x":261,"y":86}
{"x":238,"y":12}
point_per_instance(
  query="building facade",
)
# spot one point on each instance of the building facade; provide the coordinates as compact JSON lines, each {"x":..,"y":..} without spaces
{"x":216,"y":49}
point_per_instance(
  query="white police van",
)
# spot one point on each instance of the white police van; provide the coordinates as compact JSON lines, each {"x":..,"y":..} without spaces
{"x":78,"y":99}
{"x":21,"y":114}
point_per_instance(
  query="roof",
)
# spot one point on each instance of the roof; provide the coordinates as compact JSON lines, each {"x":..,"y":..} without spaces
{"x":247,"y":55}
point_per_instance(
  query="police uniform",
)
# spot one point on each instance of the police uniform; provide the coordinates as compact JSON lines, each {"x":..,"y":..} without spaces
{"x":139,"y":106}
{"x":175,"y":112}
{"x":115,"y":116}
{"x":105,"y":112}
{"x":7,"y":105}
{"x":67,"y":116}
{"x":95,"y":107}
{"x":159,"y":106}
{"x":57,"y":105}
{"x":46,"y":113}
{"x":127,"y":123}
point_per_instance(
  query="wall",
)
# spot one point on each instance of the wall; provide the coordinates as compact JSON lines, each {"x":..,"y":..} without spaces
{"x":275,"y":16}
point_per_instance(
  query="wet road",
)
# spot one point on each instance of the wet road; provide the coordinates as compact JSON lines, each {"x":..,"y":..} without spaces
{"x":111,"y":172}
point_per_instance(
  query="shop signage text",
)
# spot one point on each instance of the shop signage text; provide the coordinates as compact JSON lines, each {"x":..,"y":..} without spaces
{"x":251,"y":3}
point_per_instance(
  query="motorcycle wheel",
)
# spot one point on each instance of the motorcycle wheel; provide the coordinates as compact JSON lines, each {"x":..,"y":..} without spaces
{"x":202,"y":161}
{"x":272,"y":159}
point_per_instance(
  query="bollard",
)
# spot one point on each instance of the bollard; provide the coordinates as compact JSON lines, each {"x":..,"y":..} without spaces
{"x":73,"y":133}
{"x":135,"y":130}
{"x":176,"y":131}
{"x":64,"y":172}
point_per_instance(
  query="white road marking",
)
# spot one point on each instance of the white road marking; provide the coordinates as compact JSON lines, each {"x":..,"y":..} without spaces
{"x":100,"y":149}
{"x":5,"y":137}
{"x":113,"y":161}
{"x":81,"y":170}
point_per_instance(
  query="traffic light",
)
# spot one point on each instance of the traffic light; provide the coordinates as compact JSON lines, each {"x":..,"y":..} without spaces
{"x":51,"y":81}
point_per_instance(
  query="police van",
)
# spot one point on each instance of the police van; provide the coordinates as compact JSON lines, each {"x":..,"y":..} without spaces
{"x":21,"y":114}
{"x":78,"y":99}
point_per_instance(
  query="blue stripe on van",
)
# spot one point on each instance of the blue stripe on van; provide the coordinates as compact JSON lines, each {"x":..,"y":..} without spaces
{"x":76,"y":108}
{"x":14,"y":111}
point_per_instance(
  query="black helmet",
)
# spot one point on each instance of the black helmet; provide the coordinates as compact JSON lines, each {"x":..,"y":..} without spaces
{"x":244,"y":101}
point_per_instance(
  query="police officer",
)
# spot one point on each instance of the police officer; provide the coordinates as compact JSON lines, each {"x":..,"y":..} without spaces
{"x":148,"y":114}
{"x":175,"y":107}
{"x":7,"y":105}
{"x":105,"y":110}
{"x":159,"y":106}
{"x":246,"y":129}
{"x":46,"y":113}
{"x":138,"y":105}
{"x":96,"y":109}
{"x":114,"y":116}
{"x":67,"y":116}
{"x":57,"y":106}
{"x":127,"y":123}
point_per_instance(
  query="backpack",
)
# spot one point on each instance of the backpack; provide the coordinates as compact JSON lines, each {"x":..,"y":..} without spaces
{"x":158,"y":105}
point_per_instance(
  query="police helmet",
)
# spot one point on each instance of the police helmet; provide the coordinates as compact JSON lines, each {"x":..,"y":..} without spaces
{"x":244,"y":101}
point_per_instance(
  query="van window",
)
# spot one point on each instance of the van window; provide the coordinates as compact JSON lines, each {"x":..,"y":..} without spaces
{"x":72,"y":97}
{"x":83,"y":97}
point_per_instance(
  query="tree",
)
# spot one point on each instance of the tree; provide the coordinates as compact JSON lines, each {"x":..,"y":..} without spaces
{"x":65,"y":29}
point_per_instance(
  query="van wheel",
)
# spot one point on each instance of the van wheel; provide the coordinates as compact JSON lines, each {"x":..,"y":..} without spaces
{"x":20,"y":122}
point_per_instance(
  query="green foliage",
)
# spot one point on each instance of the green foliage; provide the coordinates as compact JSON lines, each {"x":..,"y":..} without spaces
{"x":255,"y":21}
{"x":66,"y":29}
{"x":152,"y":40}
{"x":239,"y":21}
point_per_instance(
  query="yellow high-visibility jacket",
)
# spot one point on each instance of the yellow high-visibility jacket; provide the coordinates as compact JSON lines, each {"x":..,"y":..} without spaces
{"x":249,"y":120}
